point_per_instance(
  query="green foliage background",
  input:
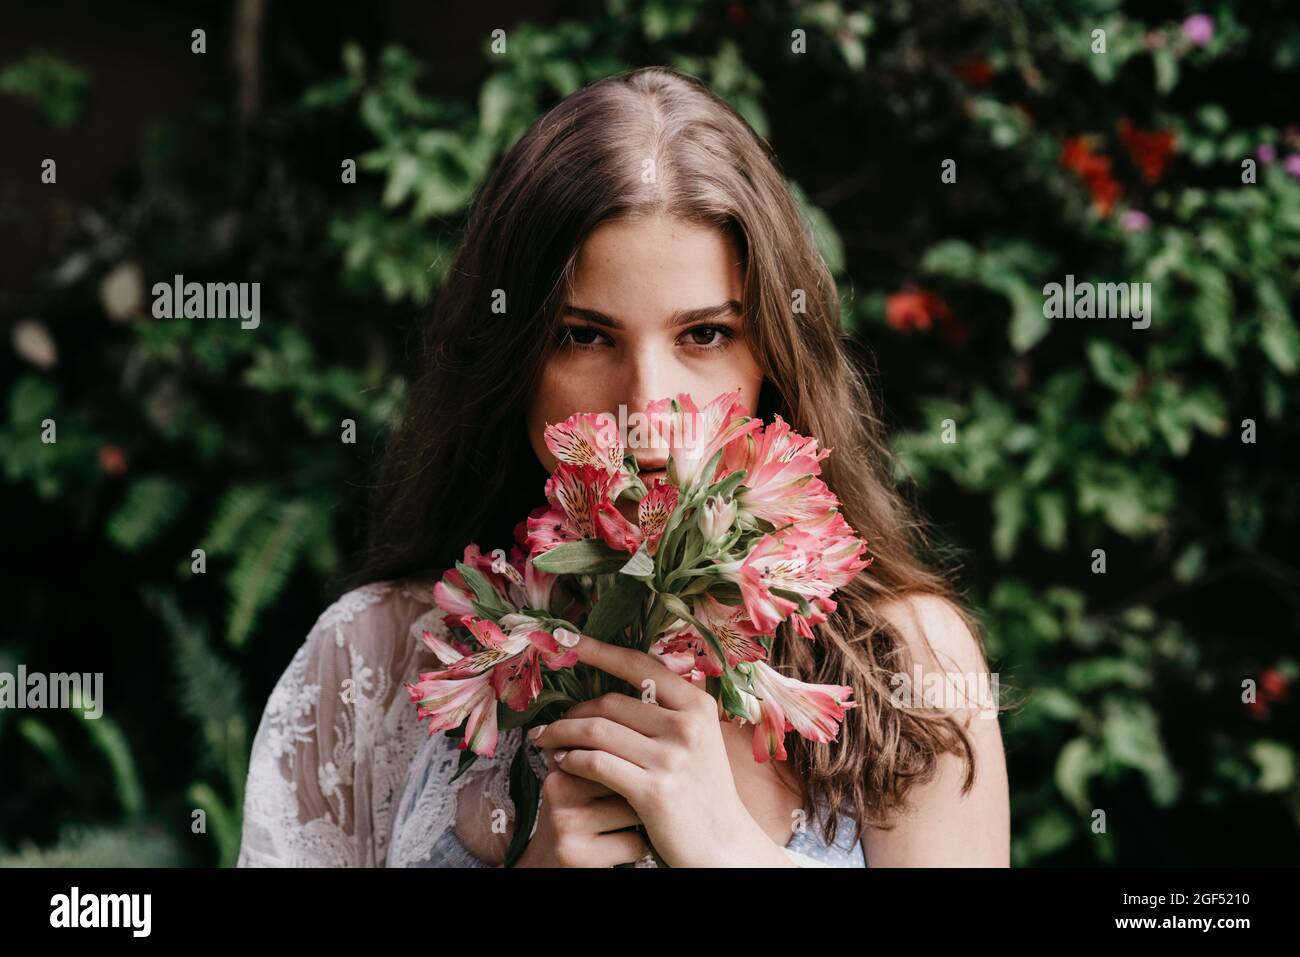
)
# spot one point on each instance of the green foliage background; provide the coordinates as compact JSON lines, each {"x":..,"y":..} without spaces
{"x":1072,"y":435}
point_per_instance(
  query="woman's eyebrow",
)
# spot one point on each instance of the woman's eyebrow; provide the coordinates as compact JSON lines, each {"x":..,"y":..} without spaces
{"x":683,"y":317}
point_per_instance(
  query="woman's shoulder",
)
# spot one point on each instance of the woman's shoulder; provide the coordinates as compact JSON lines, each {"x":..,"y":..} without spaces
{"x":937,"y":633}
{"x":338,"y":731}
{"x":380,"y":620}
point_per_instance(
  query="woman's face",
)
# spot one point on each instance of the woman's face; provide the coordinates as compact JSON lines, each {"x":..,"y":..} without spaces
{"x":654,"y":312}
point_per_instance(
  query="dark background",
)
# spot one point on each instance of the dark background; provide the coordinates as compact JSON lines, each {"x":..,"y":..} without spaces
{"x":1073,"y":435}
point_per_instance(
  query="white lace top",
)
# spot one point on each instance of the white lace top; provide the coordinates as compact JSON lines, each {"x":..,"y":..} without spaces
{"x":344,"y":774}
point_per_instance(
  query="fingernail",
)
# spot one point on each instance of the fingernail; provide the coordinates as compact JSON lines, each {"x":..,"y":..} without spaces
{"x":567,"y":638}
{"x":559,"y":756}
{"x":536,"y":732}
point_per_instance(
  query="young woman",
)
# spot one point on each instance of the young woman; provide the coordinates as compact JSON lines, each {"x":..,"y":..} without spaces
{"x":638,"y":242}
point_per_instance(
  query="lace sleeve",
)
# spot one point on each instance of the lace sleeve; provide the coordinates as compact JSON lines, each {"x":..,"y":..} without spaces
{"x":467,"y":822}
{"x":336,"y":737}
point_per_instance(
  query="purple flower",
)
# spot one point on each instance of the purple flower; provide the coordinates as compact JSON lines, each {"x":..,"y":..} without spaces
{"x":1199,"y":29}
{"x":1292,"y":164}
{"x":1135,"y":221}
{"x":1267,"y":153}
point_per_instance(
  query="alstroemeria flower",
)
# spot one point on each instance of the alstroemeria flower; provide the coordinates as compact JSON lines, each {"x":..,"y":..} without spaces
{"x":781,"y":468}
{"x":587,"y":438}
{"x":840,"y":549}
{"x":576,"y":493}
{"x":453,"y":595}
{"x":694,"y":435}
{"x":785,"y":704}
{"x":652,"y":513}
{"x":730,"y":625}
{"x":591,"y":438}
{"x":509,"y":668}
{"x":450,"y":701}
{"x":716,"y":518}
{"x":517,"y":677}
{"x":788,"y":560}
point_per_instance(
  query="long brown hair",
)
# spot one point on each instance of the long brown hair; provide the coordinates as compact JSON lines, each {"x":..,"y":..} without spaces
{"x":459,"y":467}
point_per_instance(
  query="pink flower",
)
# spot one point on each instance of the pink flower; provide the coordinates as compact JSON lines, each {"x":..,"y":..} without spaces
{"x":587,"y":438}
{"x":1292,"y":164}
{"x":784,"y":704}
{"x":1135,"y":221}
{"x":450,"y":701}
{"x":507,"y":669}
{"x":781,"y":468}
{"x":809,"y":560}
{"x":840,"y":549}
{"x":783,"y":562}
{"x":453,"y":595}
{"x":576,"y":494}
{"x":729,"y":624}
{"x":1266,"y":153}
{"x":1199,"y":29}
{"x":653,"y":512}
{"x":716,"y":518}
{"x":693,"y":435}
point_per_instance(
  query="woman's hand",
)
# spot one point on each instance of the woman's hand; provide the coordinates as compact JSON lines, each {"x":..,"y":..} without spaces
{"x":578,"y":825}
{"x":665,"y":755}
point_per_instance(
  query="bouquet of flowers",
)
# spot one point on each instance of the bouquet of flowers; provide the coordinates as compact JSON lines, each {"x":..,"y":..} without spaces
{"x":738,"y":536}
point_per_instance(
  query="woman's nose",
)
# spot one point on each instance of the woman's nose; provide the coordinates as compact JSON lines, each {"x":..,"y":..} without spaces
{"x":649,"y":381}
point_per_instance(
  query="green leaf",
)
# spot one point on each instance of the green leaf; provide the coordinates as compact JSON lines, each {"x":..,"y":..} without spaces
{"x":112,"y":744}
{"x":151,"y":505}
{"x":1276,"y":766}
{"x":524,"y":790}
{"x":235,"y":513}
{"x":508,"y":717}
{"x":1278,"y":337}
{"x":467,"y":759}
{"x":1029,"y":322}
{"x":262,"y":568}
{"x":589,"y":556}
{"x":823,"y":231}
{"x":728,"y":485}
{"x":1166,"y":68}
{"x":485,"y":593}
{"x":1212,"y":310}
{"x":952,"y":257}
{"x":1049,"y":505}
{"x":1112,"y":366}
{"x":640,"y":565}
{"x":1009,"y":519}
{"x":1076,"y":763}
{"x":496,"y":100}
{"x":618,"y":607}
{"x":1131,"y":733}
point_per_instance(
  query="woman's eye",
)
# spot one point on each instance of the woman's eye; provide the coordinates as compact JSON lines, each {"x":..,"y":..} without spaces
{"x":583,"y":337}
{"x":702,"y":338}
{"x":710,"y":337}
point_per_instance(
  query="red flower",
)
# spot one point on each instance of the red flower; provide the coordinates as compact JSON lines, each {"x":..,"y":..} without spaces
{"x":737,"y":13}
{"x":977,"y":73}
{"x":112,"y":460}
{"x":1150,"y":149}
{"x":1093,"y":169}
{"x":920,"y":309}
{"x":1273,"y":686}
